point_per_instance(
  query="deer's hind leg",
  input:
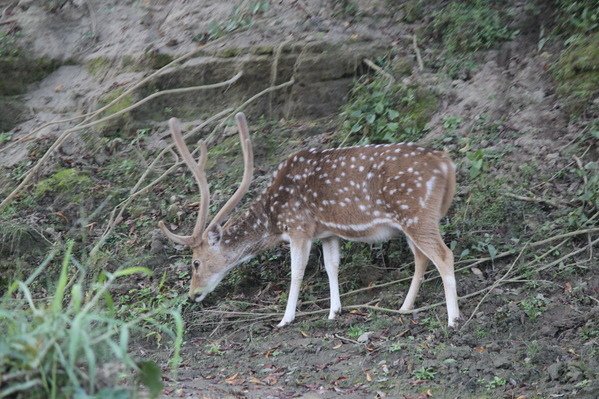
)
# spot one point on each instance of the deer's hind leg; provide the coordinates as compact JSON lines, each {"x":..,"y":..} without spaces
{"x":427,"y":239}
{"x":330,"y":250}
{"x":420,"y":263}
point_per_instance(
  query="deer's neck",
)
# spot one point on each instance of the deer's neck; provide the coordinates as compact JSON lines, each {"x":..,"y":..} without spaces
{"x":248,"y":233}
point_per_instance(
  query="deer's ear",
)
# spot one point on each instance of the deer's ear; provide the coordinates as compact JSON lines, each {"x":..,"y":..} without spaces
{"x":214,"y":235}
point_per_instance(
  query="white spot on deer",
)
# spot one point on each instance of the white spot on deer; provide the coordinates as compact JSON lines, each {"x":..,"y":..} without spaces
{"x":315,"y":194}
{"x":370,"y":175}
{"x":404,"y":207}
{"x":356,"y":199}
{"x":342,"y":163}
{"x":410,"y":170}
{"x":397,"y":150}
{"x":409,"y":190}
{"x":379,"y":202}
{"x":444,"y":168}
{"x":302,"y":159}
{"x":376,"y":213}
{"x":327,"y":181}
{"x":347,"y":200}
{"x":362,"y":207}
{"x":392,"y":191}
{"x":342,"y":174}
{"x":342,"y":204}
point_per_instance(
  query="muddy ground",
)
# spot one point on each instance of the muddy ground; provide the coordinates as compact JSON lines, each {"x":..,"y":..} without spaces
{"x":534,"y":335}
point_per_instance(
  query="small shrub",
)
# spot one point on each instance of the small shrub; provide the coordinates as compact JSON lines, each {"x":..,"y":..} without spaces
{"x":576,"y":73}
{"x":384,"y":112}
{"x":425,"y":373}
{"x":470,"y":26}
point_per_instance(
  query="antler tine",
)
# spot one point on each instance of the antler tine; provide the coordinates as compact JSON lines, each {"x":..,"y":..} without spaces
{"x":248,"y":171}
{"x":198,"y":170}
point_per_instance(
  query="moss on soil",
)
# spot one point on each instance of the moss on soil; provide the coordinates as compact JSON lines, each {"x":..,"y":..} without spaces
{"x":577,"y":73}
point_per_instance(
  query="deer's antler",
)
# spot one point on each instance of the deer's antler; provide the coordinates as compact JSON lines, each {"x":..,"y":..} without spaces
{"x":248,"y":171}
{"x":199,"y":173}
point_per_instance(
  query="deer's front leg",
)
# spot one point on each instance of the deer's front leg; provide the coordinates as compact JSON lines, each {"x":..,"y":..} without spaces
{"x":330,"y":251}
{"x":300,"y":250}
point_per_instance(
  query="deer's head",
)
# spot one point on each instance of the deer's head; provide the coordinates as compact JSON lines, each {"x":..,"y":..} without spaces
{"x":210,"y":262}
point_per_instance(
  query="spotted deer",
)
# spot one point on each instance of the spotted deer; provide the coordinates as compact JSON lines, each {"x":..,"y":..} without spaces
{"x":366,"y":193}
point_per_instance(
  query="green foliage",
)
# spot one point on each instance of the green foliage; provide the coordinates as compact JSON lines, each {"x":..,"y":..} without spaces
{"x":496,"y":382}
{"x":5,"y":137}
{"x":214,"y":349}
{"x":451,"y":123}
{"x":8,"y":45}
{"x":123,"y":103}
{"x":577,"y":16}
{"x":380,"y":111}
{"x":98,"y":66}
{"x":63,"y":345}
{"x":576,"y":72}
{"x":413,"y":10}
{"x":466,"y":26}
{"x":346,"y":8}
{"x":240,"y":19}
{"x":425,"y":373}
{"x":533,"y":306}
{"x":355,"y":331}
{"x":587,"y":195}
{"x":476,"y":162}
{"x":70,"y":183}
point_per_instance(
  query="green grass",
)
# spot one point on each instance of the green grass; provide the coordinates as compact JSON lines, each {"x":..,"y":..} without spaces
{"x":62,"y":342}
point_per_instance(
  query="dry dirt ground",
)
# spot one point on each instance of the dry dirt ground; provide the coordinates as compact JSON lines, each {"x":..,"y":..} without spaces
{"x":507,"y":350}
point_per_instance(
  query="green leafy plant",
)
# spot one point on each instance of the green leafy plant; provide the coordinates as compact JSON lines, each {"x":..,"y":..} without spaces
{"x":214,"y":349}
{"x":63,"y":345}
{"x":395,"y":347}
{"x":355,"y":331}
{"x":380,"y":111}
{"x":533,"y":307}
{"x":425,"y":373}
{"x":496,"y":382}
{"x":470,"y":26}
{"x":241,"y":18}
{"x":476,"y":163}
{"x":5,"y":137}
{"x":451,"y":123}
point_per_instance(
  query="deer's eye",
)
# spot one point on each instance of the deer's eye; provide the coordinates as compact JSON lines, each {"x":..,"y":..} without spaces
{"x":196,"y":264}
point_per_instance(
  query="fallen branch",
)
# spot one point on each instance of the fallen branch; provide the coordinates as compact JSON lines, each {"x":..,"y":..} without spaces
{"x":379,"y":70}
{"x":417,"y":51}
{"x":533,"y":199}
